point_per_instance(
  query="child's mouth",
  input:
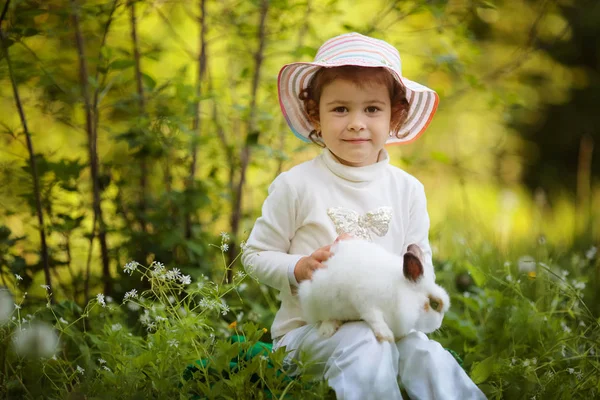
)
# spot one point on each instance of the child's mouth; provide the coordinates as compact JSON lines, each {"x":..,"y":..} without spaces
{"x":356,"y":141}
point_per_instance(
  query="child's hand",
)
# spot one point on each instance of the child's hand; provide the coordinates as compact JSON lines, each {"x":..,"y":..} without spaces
{"x":307,"y":265}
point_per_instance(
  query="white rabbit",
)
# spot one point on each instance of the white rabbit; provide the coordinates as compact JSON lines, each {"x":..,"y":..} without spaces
{"x":363,"y":281}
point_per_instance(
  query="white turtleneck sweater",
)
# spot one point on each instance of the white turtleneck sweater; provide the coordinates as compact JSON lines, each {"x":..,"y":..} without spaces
{"x":310,"y":205}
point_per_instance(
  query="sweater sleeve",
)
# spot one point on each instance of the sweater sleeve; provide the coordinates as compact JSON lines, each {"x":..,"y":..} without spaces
{"x":266,"y":255}
{"x":418,"y":229}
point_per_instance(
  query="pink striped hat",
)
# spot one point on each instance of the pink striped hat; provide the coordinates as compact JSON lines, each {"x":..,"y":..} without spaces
{"x":359,"y":50}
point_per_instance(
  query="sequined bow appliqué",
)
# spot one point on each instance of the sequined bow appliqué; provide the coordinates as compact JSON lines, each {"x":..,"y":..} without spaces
{"x":361,"y":226}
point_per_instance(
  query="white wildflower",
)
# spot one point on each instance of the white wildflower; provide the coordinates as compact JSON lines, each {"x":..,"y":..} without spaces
{"x":116,"y":327}
{"x":570,"y":370}
{"x":133,"y":306}
{"x":582,"y":324}
{"x":467,"y":294}
{"x":158,"y":270}
{"x":145,"y":318}
{"x":224,"y":236}
{"x":506,"y":264}
{"x":204,"y":303}
{"x":591,"y":253}
{"x":185,"y":279}
{"x":526,"y":264}
{"x":106,"y":368}
{"x":80,"y":370}
{"x":132,"y":294}
{"x":509,"y":278}
{"x":47,"y":287}
{"x":534,"y":361}
{"x":173,"y":343}
{"x":224,"y":247}
{"x":579,"y":375}
{"x":225,"y":309}
{"x":564,"y":273}
{"x":240,"y":275}
{"x":580,"y":285}
{"x":17,"y":307}
{"x":100,"y":298}
{"x":564,"y":327}
{"x":130,"y":267}
{"x":172,"y":275}
{"x":244,"y":246}
{"x":18,"y":277}
{"x":158,"y":318}
{"x":264,"y":358}
{"x":526,"y":363}
{"x":151,"y":326}
{"x":243,"y":287}
{"x":101,"y":361}
{"x":38,"y":340}
{"x":63,"y":321}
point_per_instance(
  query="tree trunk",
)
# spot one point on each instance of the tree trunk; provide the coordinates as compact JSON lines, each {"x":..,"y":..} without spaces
{"x":142,"y":110}
{"x":196,"y":128}
{"x":92,"y":150}
{"x":32,"y":162}
{"x":250,"y":131}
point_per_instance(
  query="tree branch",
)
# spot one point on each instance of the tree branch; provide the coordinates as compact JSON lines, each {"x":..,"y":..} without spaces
{"x":250,"y":131}
{"x":32,"y":161}
{"x":196,"y":128}
{"x":92,"y":151}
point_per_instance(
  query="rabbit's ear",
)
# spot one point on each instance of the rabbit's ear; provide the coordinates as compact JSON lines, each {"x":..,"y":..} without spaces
{"x":413,"y":267}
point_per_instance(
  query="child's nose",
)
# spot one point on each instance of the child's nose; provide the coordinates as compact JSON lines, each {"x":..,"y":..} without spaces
{"x":356,"y":123}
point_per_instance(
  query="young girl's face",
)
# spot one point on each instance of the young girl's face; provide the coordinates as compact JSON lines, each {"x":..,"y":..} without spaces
{"x":355,"y":121}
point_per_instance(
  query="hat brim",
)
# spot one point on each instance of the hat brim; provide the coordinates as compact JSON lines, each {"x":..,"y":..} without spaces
{"x":293,"y":78}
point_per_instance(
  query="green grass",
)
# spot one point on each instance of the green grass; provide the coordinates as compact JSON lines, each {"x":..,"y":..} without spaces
{"x":526,"y":327}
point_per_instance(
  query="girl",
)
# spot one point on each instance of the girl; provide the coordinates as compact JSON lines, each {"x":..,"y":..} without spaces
{"x":352,"y":101}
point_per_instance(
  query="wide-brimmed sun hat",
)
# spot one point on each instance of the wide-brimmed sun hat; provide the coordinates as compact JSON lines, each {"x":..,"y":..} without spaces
{"x":358,"y":50}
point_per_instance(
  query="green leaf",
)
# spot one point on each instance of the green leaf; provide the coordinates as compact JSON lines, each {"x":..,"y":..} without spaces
{"x":482,"y":370}
{"x":122,"y":64}
{"x":195,"y":247}
{"x":148,"y":81}
{"x":477,"y":274}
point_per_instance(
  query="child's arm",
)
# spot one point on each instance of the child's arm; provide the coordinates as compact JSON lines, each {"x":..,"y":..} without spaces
{"x":418,"y":229}
{"x":266,"y":254}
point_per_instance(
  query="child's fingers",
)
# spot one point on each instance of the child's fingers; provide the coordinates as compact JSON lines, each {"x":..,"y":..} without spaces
{"x":321,"y":255}
{"x":343,"y":236}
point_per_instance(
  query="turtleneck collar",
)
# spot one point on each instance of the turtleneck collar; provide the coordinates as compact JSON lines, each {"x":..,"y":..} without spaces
{"x":356,"y":174}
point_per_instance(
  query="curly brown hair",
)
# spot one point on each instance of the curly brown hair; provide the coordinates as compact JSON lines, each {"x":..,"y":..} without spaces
{"x":362,"y":76}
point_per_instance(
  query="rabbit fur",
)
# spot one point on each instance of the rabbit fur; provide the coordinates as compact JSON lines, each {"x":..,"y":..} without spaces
{"x":363,"y":281}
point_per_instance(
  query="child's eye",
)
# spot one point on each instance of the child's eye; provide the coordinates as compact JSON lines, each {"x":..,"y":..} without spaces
{"x":372,"y":109}
{"x":340,"y":109}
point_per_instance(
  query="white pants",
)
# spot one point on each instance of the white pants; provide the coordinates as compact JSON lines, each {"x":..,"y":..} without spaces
{"x":357,"y":366}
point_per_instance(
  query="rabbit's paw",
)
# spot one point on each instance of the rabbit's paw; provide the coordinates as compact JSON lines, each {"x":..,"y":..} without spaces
{"x":384,"y":334}
{"x":329,"y":327}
